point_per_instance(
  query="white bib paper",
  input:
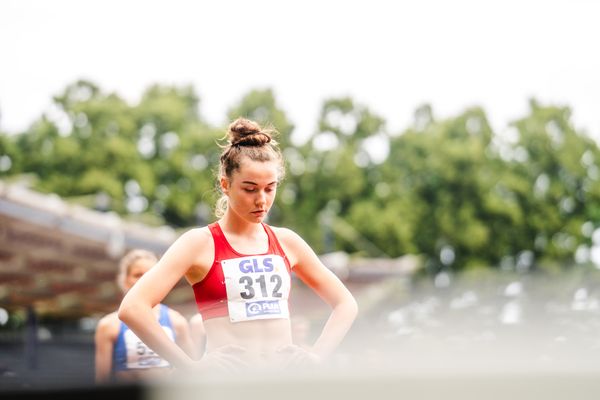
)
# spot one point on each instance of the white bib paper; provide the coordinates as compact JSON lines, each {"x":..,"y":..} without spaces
{"x":257,"y":287}
{"x":140,"y":356}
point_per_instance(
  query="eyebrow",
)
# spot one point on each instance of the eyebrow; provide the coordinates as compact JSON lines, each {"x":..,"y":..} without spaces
{"x":256,"y":184}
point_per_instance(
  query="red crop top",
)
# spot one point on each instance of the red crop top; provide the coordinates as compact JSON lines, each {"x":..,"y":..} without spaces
{"x":211,"y":292}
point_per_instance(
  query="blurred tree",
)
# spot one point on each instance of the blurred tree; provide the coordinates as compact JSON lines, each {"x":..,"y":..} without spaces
{"x":146,"y":160}
{"x":334,"y":170}
{"x":10,"y":157}
{"x":432,"y":189}
{"x":179,"y":148}
{"x":451,"y":190}
{"x":466,"y":197}
{"x":562,"y":197}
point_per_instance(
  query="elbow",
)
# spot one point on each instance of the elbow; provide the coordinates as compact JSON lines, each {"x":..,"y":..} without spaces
{"x":122,"y":313}
{"x":126,"y":310}
{"x":349,"y":307}
{"x":131,"y":308}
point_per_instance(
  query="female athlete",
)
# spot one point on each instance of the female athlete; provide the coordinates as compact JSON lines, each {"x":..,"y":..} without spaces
{"x":240,"y":271}
{"x":120,"y":355}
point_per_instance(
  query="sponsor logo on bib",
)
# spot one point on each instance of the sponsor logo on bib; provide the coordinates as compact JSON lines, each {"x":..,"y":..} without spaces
{"x":254,"y":265}
{"x":265,"y":307}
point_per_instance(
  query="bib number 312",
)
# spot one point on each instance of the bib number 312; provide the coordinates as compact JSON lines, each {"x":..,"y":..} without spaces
{"x":249,"y":291}
{"x":257,"y":287}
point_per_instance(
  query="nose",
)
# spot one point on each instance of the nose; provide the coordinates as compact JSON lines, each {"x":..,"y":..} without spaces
{"x":261,"y":198}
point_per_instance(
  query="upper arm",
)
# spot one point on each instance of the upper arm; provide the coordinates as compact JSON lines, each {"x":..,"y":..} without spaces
{"x":309,"y":268}
{"x":104,"y":343}
{"x":155,"y":284}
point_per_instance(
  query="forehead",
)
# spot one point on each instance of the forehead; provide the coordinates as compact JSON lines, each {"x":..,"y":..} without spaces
{"x":257,"y":171}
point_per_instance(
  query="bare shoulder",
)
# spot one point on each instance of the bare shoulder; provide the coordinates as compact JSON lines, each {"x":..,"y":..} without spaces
{"x":286,"y":235}
{"x":108,"y":325}
{"x":108,"y":319}
{"x":191,"y":246}
{"x":196,"y":235}
{"x":295,"y":248}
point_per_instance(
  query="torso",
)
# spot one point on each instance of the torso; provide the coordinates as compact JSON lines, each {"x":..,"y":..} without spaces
{"x":260,"y":337}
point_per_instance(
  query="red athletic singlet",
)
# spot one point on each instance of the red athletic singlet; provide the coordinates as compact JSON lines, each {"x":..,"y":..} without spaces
{"x":259,"y":291}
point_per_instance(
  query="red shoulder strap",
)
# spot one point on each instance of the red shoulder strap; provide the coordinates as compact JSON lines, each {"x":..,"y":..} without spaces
{"x":218,"y":239}
{"x":274,"y":245}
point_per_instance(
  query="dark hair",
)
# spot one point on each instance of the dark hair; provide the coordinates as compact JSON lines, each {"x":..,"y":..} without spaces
{"x":246,"y":138}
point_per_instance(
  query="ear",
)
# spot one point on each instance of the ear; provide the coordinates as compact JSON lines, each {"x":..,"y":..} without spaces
{"x":224,"y":182}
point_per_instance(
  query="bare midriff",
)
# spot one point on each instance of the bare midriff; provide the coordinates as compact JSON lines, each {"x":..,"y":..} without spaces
{"x":259,"y":338}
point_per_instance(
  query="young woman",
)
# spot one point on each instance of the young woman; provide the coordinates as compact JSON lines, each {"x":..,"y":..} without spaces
{"x":239,"y":269}
{"x":120,"y":355}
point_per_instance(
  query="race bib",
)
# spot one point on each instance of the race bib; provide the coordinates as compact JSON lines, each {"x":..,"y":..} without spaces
{"x":257,"y":287}
{"x":140,"y":356}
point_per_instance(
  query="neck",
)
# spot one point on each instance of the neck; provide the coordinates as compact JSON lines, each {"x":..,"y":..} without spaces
{"x":234,"y":224}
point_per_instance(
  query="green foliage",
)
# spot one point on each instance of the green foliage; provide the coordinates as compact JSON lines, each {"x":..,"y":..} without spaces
{"x":451,"y":190}
{"x":153,"y":157}
{"x":561,"y":166}
{"x":10,"y":156}
{"x":330,"y":173}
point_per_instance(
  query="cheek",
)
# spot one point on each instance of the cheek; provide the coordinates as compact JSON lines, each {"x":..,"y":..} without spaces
{"x":128,"y":283}
{"x":241,"y":199}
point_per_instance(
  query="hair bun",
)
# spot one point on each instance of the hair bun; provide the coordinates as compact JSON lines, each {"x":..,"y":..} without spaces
{"x":243,"y":132}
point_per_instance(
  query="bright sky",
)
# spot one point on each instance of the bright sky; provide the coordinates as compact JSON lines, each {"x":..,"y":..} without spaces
{"x":388,"y":55}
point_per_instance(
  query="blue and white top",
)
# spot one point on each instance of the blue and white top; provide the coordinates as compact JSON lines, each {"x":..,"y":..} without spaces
{"x":131,"y":353}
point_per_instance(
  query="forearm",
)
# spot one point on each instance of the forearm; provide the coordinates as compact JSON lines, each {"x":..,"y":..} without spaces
{"x":141,"y":320}
{"x":338,"y":324}
{"x":102,"y":372}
